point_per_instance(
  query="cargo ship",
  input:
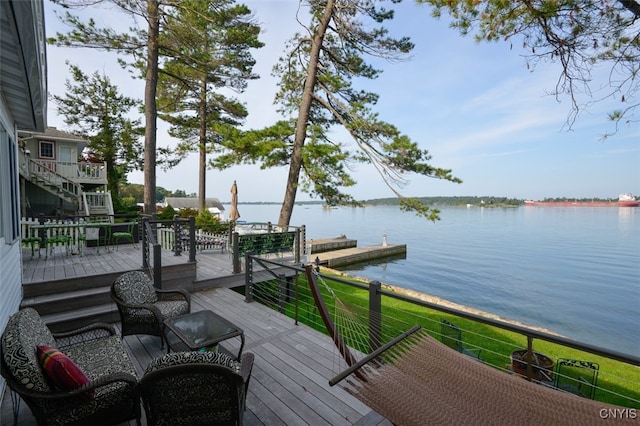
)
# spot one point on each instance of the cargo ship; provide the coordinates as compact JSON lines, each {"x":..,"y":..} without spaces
{"x":624,"y":200}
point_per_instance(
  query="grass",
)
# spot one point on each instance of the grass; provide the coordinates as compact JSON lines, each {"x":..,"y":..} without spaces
{"x":618,"y":382}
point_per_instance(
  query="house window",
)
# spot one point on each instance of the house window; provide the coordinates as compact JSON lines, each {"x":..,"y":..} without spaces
{"x":9,"y":194}
{"x":47,"y":150}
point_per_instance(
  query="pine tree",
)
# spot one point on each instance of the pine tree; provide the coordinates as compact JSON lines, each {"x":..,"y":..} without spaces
{"x":93,"y":108}
{"x":211,"y":44}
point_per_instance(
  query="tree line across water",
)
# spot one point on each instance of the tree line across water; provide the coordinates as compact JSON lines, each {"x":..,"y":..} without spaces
{"x":453,"y":201}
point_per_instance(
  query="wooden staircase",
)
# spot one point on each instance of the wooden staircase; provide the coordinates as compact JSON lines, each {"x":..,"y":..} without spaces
{"x":72,"y":303}
{"x":51,"y":181}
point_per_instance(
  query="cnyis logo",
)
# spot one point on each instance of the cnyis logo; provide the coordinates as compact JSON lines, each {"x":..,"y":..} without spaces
{"x":618,"y":413}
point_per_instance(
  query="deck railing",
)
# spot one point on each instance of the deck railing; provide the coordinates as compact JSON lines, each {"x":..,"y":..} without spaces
{"x":285,"y":295}
{"x":260,"y":238}
{"x":151,"y":250}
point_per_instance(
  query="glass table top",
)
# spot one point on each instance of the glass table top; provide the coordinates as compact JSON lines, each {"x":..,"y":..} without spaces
{"x":203,"y":328}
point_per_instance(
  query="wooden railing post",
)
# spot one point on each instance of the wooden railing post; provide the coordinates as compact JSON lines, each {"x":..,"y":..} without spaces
{"x":375,"y":315}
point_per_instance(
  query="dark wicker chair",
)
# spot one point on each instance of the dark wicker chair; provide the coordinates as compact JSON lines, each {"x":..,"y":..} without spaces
{"x":143,"y":308}
{"x":109,"y":397}
{"x":196,"y":388}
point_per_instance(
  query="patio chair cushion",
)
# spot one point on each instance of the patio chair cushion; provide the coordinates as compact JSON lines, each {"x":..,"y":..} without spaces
{"x":25,"y":332}
{"x":136,"y":288}
{"x":189,"y":388}
{"x":97,"y":350}
{"x":61,"y":371}
{"x":172,"y":308}
{"x":168,"y":309}
{"x":182,"y":358}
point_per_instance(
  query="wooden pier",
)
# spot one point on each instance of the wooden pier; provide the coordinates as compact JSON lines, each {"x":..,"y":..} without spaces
{"x":343,"y":251}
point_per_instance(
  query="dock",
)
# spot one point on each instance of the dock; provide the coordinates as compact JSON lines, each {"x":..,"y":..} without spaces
{"x":335,"y":252}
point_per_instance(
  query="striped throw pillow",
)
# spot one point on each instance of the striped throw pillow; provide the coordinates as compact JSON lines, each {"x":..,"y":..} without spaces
{"x":59,"y":369}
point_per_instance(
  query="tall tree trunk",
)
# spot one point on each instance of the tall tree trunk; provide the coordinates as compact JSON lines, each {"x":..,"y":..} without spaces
{"x":151,"y":113}
{"x":303,"y":117}
{"x":202,"y":172}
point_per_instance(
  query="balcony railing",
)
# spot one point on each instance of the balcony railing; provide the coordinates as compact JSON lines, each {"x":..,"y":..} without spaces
{"x":388,"y":313}
{"x":80,"y":171}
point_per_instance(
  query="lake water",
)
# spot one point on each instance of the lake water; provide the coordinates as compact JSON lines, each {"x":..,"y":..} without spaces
{"x":573,"y":270}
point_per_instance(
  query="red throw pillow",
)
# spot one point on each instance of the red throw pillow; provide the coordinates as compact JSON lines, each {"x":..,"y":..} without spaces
{"x":59,"y":369}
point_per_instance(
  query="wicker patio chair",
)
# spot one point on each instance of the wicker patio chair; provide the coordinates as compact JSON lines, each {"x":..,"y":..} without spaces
{"x":104,"y":392}
{"x":196,"y":388}
{"x":143,"y":308}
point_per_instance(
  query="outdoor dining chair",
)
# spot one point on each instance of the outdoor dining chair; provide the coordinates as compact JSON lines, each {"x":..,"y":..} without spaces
{"x":57,"y":238}
{"x":577,"y":377}
{"x":32,"y":242}
{"x":92,"y":233}
{"x":124,"y":236}
{"x":452,"y":337}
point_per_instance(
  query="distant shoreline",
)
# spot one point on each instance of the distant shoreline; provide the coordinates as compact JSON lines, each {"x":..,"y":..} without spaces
{"x":455,"y":201}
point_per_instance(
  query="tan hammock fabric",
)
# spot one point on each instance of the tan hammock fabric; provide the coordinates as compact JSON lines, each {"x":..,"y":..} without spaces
{"x":431,"y":384}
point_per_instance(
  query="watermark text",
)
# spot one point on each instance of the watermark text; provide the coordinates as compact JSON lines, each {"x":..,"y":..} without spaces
{"x":618,"y":413}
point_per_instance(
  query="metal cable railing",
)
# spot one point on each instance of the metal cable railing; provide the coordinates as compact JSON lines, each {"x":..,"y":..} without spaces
{"x":355,"y":306}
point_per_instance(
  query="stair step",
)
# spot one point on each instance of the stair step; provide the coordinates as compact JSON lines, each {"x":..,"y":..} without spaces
{"x":70,"y":320}
{"x":68,"y":285}
{"x":52,"y":303}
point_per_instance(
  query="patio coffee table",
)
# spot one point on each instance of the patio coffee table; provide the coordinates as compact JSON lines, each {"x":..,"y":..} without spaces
{"x":201,"y":329}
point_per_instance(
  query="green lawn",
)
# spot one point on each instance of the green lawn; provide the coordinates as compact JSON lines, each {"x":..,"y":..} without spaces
{"x":620,"y":382}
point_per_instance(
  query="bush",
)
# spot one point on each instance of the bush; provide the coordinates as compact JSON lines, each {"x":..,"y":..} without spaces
{"x":167,"y":213}
{"x":188,"y":212}
{"x":210,"y":223}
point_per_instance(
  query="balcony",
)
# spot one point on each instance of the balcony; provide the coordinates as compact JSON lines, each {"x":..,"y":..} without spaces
{"x":81,"y":172}
{"x":295,"y":362}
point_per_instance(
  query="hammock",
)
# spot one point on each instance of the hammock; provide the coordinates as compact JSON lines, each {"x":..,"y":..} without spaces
{"x":416,"y":380}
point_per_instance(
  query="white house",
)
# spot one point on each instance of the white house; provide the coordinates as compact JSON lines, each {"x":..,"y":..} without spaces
{"x":23,"y":105}
{"x":213,"y":205}
{"x":56,"y":180}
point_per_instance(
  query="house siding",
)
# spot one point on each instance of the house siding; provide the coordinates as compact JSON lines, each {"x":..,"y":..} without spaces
{"x":10,"y":280}
{"x":10,"y":261}
{"x":23,"y":102}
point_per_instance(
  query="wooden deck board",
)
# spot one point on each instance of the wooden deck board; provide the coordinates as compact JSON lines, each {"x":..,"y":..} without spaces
{"x":289,"y":383}
{"x":60,"y":266}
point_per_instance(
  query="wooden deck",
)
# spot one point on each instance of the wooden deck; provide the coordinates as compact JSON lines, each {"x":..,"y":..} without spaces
{"x":57,"y":266}
{"x":293,"y":363}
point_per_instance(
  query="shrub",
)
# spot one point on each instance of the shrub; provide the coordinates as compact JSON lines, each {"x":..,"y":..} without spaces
{"x":167,"y":213}
{"x":210,"y":223}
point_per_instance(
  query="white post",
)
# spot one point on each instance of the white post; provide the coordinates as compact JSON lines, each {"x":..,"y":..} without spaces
{"x":308,"y":252}
{"x":384,"y":240}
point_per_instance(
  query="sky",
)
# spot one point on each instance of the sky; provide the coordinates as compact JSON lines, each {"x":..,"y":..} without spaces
{"x":475,"y":107}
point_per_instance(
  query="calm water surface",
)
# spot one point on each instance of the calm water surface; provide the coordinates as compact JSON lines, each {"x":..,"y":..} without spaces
{"x":573,"y":270}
